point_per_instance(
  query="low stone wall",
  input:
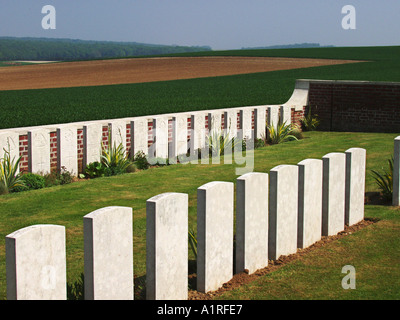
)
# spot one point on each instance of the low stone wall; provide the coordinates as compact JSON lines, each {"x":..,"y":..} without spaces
{"x":276,"y":213}
{"x":356,"y":106}
{"x":74,"y":145}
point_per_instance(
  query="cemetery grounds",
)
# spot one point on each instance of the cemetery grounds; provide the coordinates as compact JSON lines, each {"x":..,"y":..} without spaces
{"x":374,"y":250}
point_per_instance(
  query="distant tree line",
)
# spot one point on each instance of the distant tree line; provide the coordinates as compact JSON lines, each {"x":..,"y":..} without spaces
{"x":68,"y":49}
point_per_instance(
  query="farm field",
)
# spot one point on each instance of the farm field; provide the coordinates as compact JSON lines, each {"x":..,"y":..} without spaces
{"x":20,"y":108}
{"x":139,"y":70}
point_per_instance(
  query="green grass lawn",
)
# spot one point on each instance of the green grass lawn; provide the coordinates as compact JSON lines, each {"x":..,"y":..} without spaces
{"x":21,"y":108}
{"x":374,"y":251}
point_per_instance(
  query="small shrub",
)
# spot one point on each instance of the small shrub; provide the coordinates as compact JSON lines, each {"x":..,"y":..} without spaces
{"x":385,"y":181}
{"x":140,"y":160}
{"x":95,"y":170}
{"x":32,"y":181}
{"x":65,"y":176}
{"x":113,"y":171}
{"x":51,"y":179}
{"x":9,"y":178}
{"x":259,"y":143}
{"x":297,"y":132}
{"x":132,"y":168}
{"x":58,"y":177}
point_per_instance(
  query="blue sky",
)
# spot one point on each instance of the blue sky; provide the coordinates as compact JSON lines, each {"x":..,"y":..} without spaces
{"x":221,"y":24}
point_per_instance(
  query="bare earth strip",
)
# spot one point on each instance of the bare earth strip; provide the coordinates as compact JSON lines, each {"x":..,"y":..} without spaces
{"x":120,"y":71}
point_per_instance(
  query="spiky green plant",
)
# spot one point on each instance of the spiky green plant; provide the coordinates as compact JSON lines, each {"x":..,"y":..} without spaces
{"x":310,"y":122}
{"x":281,"y":133}
{"x":10,"y":178}
{"x":219,"y":143}
{"x":114,"y":157}
{"x":385,"y":180}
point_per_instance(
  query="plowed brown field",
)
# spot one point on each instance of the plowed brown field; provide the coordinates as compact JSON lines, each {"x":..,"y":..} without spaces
{"x":119,"y":71}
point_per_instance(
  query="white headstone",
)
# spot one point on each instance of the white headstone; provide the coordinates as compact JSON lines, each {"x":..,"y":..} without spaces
{"x":283,"y":211}
{"x":167,"y":247}
{"x":252,"y":222}
{"x":9,"y":141}
{"x":215,"y":122}
{"x":310,"y":202}
{"x":108,"y":253}
{"x":286,"y":114}
{"x":355,"y":185}
{"x":198,"y":131}
{"x":36,"y":263}
{"x":260,"y":122}
{"x":230,"y":120}
{"x":118,"y":133}
{"x":67,"y":149}
{"x":273,"y":115}
{"x":39,"y":151}
{"x":333,"y":193}
{"x":246,"y":124}
{"x":179,"y":144}
{"x":214,"y":235}
{"x":92,"y":137}
{"x":159,"y":149}
{"x":139,"y":129}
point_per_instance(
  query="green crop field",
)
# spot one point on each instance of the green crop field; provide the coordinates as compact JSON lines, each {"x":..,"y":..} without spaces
{"x":48,"y":106}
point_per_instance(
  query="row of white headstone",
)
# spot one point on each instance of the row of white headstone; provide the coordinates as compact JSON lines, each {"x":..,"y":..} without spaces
{"x":39,"y":144}
{"x":291,"y":207}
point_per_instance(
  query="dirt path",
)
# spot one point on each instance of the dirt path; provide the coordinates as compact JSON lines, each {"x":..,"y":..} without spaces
{"x":119,"y":71}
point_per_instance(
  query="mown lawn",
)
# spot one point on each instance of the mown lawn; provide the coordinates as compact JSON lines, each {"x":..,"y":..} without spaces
{"x":374,"y":251}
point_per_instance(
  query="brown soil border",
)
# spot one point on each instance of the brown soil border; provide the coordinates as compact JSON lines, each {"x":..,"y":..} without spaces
{"x":244,"y":278}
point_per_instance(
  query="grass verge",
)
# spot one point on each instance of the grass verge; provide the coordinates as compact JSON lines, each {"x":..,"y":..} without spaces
{"x":66,"y":205}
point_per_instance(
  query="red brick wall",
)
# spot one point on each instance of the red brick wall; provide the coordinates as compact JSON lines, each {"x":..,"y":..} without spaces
{"x":53,"y":151}
{"x":23,"y":139}
{"x":129,"y":136}
{"x":296,"y":116}
{"x":356,"y":106}
{"x":80,"y":150}
{"x":23,"y":153}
